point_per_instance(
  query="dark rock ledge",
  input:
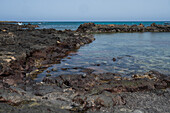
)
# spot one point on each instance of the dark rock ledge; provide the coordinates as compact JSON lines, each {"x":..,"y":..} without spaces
{"x":107,"y":92}
{"x":94,"y":28}
{"x":24,"y":51}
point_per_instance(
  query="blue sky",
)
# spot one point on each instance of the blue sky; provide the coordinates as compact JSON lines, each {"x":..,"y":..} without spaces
{"x":72,"y":10}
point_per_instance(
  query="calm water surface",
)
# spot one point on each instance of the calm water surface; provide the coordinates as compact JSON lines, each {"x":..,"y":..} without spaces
{"x":75,"y":25}
{"x":134,"y":53}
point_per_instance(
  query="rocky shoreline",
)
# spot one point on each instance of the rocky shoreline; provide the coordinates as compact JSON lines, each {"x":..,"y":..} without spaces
{"x":25,"y":51}
{"x":95,"y":28}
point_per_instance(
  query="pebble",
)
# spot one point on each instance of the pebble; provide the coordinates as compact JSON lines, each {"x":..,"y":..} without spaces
{"x":114,"y":59}
{"x":125,"y":110}
{"x":64,"y":69}
{"x":54,"y":69}
{"x":47,"y":75}
{"x":84,"y":76}
{"x":97,"y":64}
{"x":137,"y":111}
{"x":68,"y":57}
{"x":58,"y":42}
{"x":105,"y":62}
{"x":66,"y":64}
{"x":48,"y":71}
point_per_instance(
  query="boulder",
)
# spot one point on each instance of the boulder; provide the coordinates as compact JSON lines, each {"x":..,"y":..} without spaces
{"x":86,"y":26}
{"x":141,"y":25}
{"x":153,"y":25}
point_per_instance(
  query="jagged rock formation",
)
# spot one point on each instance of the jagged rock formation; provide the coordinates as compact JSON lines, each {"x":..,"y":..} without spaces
{"x":94,"y":28}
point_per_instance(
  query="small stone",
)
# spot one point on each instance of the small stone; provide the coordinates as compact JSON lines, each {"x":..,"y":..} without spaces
{"x":66,"y":64}
{"x":77,"y":45}
{"x":47,"y":75}
{"x":45,"y":98}
{"x":48,"y":71}
{"x":81,"y":43}
{"x":64,"y":69}
{"x":84,"y":76}
{"x":66,"y":107}
{"x":117,"y":78}
{"x":7,"y":60}
{"x":153,"y":25}
{"x":97,"y":64}
{"x":141,"y":25}
{"x":9,"y":81}
{"x":114,"y":59}
{"x":68,"y":57}
{"x":137,"y":111}
{"x":125,"y":110}
{"x":54,"y":69}
{"x":75,"y":67}
{"x":136,"y":76}
{"x":150,"y":76}
{"x":34,"y":104}
{"x":58,"y":42}
{"x":105,"y":62}
{"x":13,"y":58}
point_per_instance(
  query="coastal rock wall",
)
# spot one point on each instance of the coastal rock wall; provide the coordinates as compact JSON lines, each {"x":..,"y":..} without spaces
{"x":112,"y":28}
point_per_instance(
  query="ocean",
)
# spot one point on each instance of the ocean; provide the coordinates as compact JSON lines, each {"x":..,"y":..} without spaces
{"x":75,"y":25}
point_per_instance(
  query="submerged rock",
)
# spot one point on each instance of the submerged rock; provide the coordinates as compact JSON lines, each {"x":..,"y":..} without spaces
{"x":114,"y":59}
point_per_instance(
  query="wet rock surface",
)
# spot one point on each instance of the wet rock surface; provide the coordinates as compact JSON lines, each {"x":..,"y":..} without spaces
{"x":24,"y":52}
{"x":94,"y":28}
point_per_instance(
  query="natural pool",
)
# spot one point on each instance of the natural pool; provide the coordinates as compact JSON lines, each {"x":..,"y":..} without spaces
{"x":133,"y":52}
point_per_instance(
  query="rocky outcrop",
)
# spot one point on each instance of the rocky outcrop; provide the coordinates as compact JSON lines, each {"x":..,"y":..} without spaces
{"x":106,"y":92}
{"x":14,"y":27}
{"x":26,"y":50}
{"x":86,"y":27}
{"x":94,"y":28}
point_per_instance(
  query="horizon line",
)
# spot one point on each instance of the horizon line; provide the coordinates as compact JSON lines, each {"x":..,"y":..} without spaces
{"x":86,"y":20}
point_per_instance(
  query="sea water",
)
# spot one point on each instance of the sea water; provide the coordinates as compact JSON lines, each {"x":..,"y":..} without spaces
{"x":134,"y":53}
{"x":75,"y":25}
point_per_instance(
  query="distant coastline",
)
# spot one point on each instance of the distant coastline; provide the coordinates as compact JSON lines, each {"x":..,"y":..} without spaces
{"x":8,"y":21}
{"x":85,"y":21}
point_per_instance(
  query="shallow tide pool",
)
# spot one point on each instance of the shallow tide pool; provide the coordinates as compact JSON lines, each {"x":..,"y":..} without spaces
{"x":132,"y":53}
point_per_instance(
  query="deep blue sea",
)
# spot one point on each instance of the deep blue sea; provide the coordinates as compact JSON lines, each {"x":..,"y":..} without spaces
{"x":75,"y":25}
{"x":134,"y":52}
